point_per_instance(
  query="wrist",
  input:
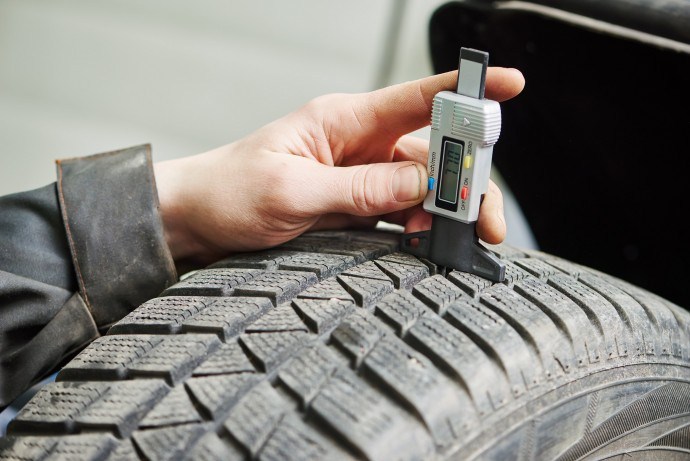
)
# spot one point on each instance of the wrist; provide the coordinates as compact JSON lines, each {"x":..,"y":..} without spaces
{"x":174,"y":196}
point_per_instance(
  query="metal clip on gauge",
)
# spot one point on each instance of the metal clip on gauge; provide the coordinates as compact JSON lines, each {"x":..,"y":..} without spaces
{"x":464,"y":129}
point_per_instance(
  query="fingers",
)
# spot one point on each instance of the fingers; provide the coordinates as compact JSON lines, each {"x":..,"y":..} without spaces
{"x":503,"y":83}
{"x":491,"y":225}
{"x":400,"y":109}
{"x":371,"y":190}
{"x":411,"y":148}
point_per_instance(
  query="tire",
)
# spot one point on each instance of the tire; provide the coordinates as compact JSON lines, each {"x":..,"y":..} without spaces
{"x":336,"y":346}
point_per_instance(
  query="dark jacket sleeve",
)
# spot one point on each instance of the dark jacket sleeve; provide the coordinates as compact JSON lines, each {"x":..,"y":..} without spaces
{"x":75,"y":257}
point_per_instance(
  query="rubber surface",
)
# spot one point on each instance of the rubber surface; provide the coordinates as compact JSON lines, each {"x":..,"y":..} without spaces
{"x":336,"y":346}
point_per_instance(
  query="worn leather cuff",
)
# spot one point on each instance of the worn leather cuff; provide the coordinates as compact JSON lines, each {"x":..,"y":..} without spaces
{"x":109,"y":207}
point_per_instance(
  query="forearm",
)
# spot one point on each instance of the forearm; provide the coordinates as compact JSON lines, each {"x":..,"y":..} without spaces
{"x":75,"y":257}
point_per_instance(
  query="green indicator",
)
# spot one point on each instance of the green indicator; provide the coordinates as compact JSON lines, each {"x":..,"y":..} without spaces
{"x":450,"y":172}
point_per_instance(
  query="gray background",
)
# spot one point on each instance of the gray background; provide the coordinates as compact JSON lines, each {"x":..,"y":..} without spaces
{"x":79,"y":77}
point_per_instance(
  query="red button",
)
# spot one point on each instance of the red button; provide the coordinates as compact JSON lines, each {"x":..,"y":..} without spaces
{"x":464,"y":192}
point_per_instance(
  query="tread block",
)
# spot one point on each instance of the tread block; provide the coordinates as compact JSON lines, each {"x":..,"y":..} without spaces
{"x":402,"y":258}
{"x":268,"y":350}
{"x":161,"y":315}
{"x":568,"y":267}
{"x":124,"y":451}
{"x":323,"y":265}
{"x":267,"y":260}
{"x":369,"y":422}
{"x":25,"y":448}
{"x":168,"y":443}
{"x":357,"y":335}
{"x":469,"y":283}
{"x":175,"y":408}
{"x":600,"y":312}
{"x":281,"y":318}
{"x":366,"y":292}
{"x":571,"y":320}
{"x":306,"y":373}
{"x":553,"y":349}
{"x":662,"y":315}
{"x":122,"y":407}
{"x":367,"y":270}
{"x":55,"y":406}
{"x":228,"y":358}
{"x":212,"y":448}
{"x":453,"y":351}
{"x":504,"y":251}
{"x":293,"y":440}
{"x":174,"y":358}
{"x":108,"y":357}
{"x":216,"y":394}
{"x":279,"y":286}
{"x":401,"y":310}
{"x":211,"y":282}
{"x":404,"y":276}
{"x":423,"y":388}
{"x":437,"y":293}
{"x":321,"y":315}
{"x":514,"y":273}
{"x":106,"y":406}
{"x":498,"y":340}
{"x":329,"y":288}
{"x":88,"y":447}
{"x":227,"y":317}
{"x":129,"y":356}
{"x":360,"y":251}
{"x":537,"y":267}
{"x":632,"y":313}
{"x":434,"y":269}
{"x":255,"y":416}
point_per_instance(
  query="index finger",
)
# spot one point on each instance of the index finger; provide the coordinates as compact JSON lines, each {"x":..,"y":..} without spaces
{"x":406,"y":107}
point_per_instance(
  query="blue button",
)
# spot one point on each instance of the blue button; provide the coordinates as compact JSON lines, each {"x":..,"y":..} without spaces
{"x":431,"y":183}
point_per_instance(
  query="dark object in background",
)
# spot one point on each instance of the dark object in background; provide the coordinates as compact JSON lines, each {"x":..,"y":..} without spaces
{"x":596,"y":147}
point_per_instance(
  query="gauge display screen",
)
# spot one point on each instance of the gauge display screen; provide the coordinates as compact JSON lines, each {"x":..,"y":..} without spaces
{"x":450,"y":171}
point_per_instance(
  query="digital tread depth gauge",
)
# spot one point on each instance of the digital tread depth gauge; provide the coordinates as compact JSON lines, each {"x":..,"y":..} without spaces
{"x":464,"y":129}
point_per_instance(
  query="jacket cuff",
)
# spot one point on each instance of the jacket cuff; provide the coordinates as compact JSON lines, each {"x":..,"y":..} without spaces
{"x":109,"y":206}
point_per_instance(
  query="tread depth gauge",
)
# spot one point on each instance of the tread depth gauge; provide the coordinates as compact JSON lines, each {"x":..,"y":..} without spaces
{"x":464,"y":129}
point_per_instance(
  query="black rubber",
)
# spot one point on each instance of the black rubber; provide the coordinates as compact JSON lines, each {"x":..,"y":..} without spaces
{"x":337,"y":346}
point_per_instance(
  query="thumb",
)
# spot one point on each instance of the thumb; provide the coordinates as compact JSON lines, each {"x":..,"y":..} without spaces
{"x":374,"y":189}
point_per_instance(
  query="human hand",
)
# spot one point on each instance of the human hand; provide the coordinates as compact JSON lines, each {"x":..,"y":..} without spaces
{"x":342,"y":160}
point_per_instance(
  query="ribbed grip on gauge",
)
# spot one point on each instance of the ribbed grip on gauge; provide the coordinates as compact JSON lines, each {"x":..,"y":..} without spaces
{"x":475,"y":123}
{"x":436,"y":110}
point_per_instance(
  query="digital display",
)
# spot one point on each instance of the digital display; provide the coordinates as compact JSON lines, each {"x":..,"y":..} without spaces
{"x":450,"y":172}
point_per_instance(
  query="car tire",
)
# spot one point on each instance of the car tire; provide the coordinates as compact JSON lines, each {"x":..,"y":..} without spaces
{"x":337,"y":346}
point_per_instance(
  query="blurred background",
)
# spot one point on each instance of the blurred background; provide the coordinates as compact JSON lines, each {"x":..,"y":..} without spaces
{"x":80,"y":77}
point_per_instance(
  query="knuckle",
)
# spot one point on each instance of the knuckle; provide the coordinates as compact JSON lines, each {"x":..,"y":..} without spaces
{"x":320,"y":104}
{"x":362,"y":190}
